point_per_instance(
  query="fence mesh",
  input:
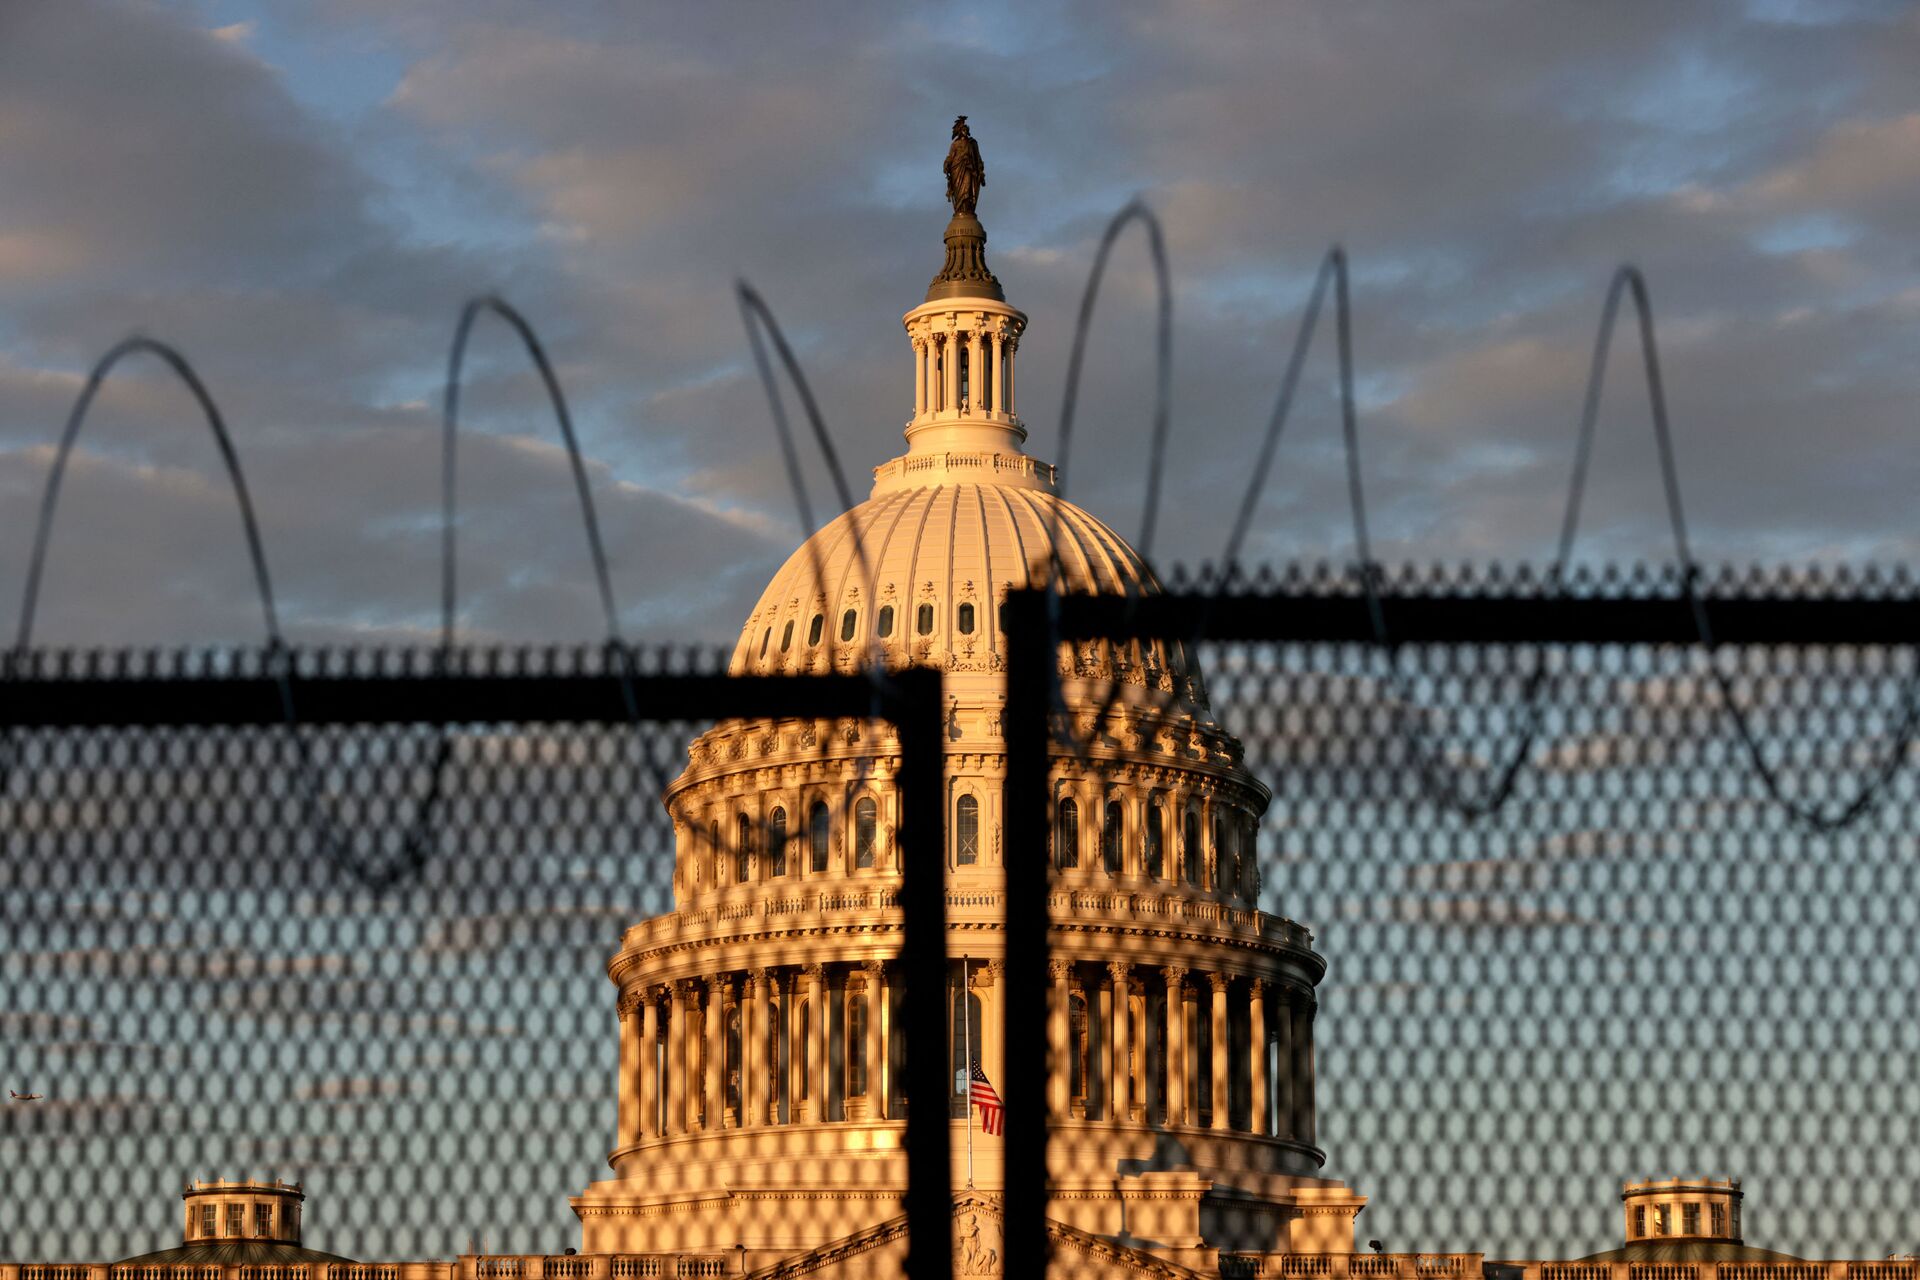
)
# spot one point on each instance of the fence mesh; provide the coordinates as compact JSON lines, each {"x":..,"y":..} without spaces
{"x":368,"y":958}
{"x":1574,"y":934}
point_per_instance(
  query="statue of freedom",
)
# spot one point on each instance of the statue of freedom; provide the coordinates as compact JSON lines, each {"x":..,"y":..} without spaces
{"x":965,"y":173}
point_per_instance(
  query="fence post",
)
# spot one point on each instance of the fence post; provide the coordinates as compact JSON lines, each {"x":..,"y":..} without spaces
{"x":1030,"y":677}
{"x":923,"y":961}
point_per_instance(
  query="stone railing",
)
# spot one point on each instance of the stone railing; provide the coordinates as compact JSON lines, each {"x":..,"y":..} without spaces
{"x":1875,"y":1269}
{"x":596,"y":1266}
{"x":963,"y":461}
{"x":1351,"y":1266}
{"x":839,"y":897}
{"x":226,"y":1271}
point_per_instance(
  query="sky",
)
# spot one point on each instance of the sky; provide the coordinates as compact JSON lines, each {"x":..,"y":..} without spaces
{"x":302,"y":197}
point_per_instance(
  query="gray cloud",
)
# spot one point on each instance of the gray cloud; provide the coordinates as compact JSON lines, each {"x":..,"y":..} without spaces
{"x":1485,"y":166}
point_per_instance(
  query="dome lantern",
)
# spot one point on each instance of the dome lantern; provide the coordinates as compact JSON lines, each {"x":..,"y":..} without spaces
{"x":964,"y":337}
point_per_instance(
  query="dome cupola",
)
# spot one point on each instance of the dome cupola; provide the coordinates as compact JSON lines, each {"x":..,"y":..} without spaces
{"x":964,"y":338}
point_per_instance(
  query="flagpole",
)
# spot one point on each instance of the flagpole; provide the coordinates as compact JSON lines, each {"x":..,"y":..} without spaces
{"x":966,"y":1024}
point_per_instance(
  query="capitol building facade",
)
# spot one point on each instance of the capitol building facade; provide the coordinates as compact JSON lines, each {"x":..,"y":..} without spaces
{"x":761,"y":1106}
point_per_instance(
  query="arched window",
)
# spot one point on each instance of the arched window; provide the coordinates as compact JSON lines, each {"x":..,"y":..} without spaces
{"x":986,"y":374}
{"x":1111,"y":830}
{"x":857,"y":1046}
{"x":883,"y":625}
{"x":1067,"y":847}
{"x":814,"y":628}
{"x":966,"y":398}
{"x":965,"y":620}
{"x":966,"y":831}
{"x":1155,"y":843}
{"x":1190,"y":850}
{"x":923,"y":621}
{"x":866,"y":824}
{"x":743,"y":849}
{"x":786,"y":636}
{"x":719,"y":853}
{"x":777,"y":842}
{"x":846,"y":625}
{"x":817,"y":830}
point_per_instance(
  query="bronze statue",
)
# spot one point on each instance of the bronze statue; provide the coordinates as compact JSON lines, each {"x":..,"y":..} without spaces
{"x":965,"y":174}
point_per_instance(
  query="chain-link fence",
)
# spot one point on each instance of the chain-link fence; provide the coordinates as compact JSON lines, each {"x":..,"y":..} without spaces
{"x":1596,"y":902}
{"x":345,"y":919}
{"x":1465,"y":901}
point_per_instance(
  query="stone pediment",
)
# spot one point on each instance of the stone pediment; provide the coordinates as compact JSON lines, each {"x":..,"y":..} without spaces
{"x":880,"y":1252}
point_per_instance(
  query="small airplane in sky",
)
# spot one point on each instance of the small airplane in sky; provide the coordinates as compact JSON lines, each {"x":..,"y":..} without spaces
{"x":22,"y":1097}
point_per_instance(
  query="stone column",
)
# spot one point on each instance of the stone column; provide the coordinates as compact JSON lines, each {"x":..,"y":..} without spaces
{"x":1283,"y":1086}
{"x":1177,"y":1055}
{"x":649,"y":1012}
{"x":1222,"y":1092}
{"x":919,"y":377}
{"x":755,"y":1005}
{"x":1099,"y":1032}
{"x":796,"y":1054}
{"x":629,"y":1114}
{"x":1261,"y":1107}
{"x":1302,"y":1014}
{"x":677,"y":1031}
{"x":883,"y":1101}
{"x":996,"y":344}
{"x":819,"y":1024}
{"x":876,"y":1040}
{"x":716,"y":1029}
{"x":1120,"y":1078}
{"x":1013,"y":349}
{"x":1059,"y":1040}
{"x":974,"y":347}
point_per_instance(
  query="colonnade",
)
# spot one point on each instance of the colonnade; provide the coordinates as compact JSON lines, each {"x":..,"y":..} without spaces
{"x":756,"y":1047}
{"x":936,"y":372}
{"x":1138,"y":1059}
{"x":1161,"y":1045}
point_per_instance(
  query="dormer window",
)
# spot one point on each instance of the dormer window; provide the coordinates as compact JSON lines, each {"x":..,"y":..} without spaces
{"x":814,"y":629}
{"x":766,"y":638}
{"x":883,"y":625}
{"x":846,"y":626}
{"x":923,"y":623}
{"x":786,"y":637}
{"x":965,"y":620}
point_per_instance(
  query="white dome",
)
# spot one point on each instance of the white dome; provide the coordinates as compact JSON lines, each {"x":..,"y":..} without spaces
{"x":940,"y":557}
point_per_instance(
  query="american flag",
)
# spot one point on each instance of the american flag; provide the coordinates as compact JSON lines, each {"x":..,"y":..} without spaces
{"x":991,"y":1108}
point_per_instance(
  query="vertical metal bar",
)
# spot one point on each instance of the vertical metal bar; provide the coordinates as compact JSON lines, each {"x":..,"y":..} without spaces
{"x":923,"y":961}
{"x":1030,"y":681}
